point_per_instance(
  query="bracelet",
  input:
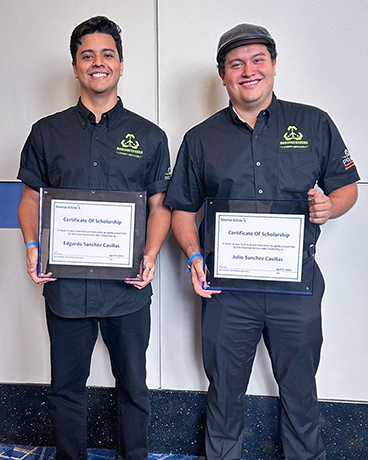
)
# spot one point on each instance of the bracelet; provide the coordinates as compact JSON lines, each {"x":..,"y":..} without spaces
{"x":191,"y":259}
{"x":31,"y":243}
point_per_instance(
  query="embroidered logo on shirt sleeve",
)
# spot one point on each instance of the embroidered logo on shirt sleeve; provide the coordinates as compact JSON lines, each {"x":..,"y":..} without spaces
{"x":168,"y":174}
{"x":347,"y":161}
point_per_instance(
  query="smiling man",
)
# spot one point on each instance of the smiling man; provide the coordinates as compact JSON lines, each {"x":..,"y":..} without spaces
{"x":94,"y":145}
{"x":260,"y":148}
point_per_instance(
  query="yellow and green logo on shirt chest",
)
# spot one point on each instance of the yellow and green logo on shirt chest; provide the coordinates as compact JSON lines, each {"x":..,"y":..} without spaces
{"x":129,"y":147}
{"x":293,"y":139}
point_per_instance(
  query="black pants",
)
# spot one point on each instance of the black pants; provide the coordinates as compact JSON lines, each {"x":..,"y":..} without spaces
{"x":72,"y":343}
{"x":233,"y":323}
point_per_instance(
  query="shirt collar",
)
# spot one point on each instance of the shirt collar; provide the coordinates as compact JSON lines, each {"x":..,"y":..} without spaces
{"x":269,"y":112}
{"x":85,"y":115}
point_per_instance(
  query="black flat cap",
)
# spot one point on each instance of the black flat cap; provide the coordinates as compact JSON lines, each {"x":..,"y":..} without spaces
{"x":243,"y":34}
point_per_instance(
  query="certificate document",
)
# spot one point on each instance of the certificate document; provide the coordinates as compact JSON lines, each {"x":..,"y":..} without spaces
{"x":94,"y":233}
{"x":259,"y":246}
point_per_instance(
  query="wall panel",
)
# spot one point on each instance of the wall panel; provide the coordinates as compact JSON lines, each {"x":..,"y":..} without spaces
{"x":321,"y":48}
{"x":38,"y":80}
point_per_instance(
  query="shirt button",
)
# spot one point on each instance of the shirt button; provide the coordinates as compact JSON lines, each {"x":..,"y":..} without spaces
{"x":256,"y":136}
{"x":258,"y":163}
{"x":96,"y":138}
{"x":260,"y":191}
{"x":95,"y":163}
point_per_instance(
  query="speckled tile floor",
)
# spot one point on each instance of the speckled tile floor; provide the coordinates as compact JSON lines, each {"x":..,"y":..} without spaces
{"x":12,"y":452}
{"x":176,"y":425}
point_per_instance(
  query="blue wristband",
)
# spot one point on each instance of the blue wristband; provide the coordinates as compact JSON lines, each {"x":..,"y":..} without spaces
{"x":191,"y":259}
{"x":31,"y":243}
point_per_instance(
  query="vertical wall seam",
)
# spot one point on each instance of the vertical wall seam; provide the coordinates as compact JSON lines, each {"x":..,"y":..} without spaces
{"x":157,"y":62}
{"x":159,"y":265}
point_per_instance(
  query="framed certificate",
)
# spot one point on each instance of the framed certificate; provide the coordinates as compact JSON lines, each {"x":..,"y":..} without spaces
{"x":259,"y":245}
{"x":91,"y":233}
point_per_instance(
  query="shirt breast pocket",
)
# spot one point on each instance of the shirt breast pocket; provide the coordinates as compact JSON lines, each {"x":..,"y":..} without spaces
{"x":297,"y":170}
{"x":127,"y":172}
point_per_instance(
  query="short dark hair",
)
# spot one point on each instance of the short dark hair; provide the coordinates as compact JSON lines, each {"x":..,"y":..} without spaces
{"x":221,"y":62}
{"x":100,"y":24}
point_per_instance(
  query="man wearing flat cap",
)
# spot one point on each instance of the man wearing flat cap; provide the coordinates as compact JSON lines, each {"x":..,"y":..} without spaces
{"x":260,"y":148}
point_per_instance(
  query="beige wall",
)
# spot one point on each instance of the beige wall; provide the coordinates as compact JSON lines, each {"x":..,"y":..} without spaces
{"x":322,"y":61}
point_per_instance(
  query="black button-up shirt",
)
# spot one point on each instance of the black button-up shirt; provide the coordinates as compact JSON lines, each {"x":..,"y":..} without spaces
{"x":122,"y":152}
{"x":291,"y":148}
